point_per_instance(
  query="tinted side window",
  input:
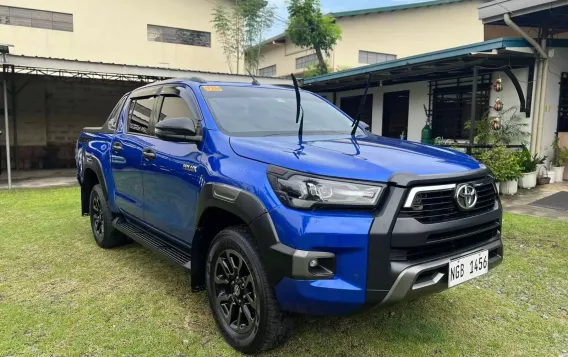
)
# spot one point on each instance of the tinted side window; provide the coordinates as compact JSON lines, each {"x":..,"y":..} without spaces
{"x":140,"y":112}
{"x":115,"y":114}
{"x":174,"y":107}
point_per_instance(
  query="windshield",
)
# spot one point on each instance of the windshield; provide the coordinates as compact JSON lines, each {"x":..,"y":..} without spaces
{"x":249,"y":111}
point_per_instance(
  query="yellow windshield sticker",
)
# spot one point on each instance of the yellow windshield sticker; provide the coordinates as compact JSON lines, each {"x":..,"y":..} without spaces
{"x":212,"y":88}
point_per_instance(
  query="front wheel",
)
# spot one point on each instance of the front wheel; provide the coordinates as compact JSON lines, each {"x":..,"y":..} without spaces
{"x":241,"y":299}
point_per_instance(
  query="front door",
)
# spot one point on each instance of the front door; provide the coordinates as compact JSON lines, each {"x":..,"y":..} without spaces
{"x":171,"y":174}
{"x":395,"y":114}
{"x":126,"y":157}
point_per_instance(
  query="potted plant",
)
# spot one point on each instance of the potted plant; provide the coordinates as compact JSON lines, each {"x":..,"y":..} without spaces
{"x":529,"y":165}
{"x":560,"y":159}
{"x":505,"y":168}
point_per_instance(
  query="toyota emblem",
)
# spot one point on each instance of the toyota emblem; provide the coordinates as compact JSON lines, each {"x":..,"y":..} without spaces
{"x":466,"y":196}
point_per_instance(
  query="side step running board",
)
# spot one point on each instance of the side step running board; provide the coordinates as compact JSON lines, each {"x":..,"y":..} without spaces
{"x":157,"y":244}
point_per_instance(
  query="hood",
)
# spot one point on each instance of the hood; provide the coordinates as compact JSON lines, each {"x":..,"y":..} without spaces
{"x":372,"y":158}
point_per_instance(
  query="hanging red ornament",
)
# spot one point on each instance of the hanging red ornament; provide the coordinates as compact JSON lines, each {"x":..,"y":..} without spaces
{"x":498,"y":85}
{"x":498,"y":105}
{"x":496,"y":124}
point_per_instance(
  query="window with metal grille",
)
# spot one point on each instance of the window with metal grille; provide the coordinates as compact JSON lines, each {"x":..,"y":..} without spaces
{"x":179,"y":36}
{"x":374,"y":57}
{"x":267,"y":71}
{"x":451,"y":105}
{"x":305,"y":61}
{"x":17,"y":16}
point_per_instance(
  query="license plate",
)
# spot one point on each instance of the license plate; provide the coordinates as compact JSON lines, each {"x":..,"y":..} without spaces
{"x":469,"y":267}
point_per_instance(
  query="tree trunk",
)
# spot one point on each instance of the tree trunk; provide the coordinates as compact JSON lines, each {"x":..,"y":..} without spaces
{"x":323,"y":67}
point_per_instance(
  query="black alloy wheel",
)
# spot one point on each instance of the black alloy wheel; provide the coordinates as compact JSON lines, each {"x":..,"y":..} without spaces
{"x":235,"y":292}
{"x":101,"y":217}
{"x":97,"y":217}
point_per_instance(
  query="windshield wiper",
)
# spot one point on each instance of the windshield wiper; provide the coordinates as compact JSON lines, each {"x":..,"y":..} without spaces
{"x":361,"y":106}
{"x":298,"y":107}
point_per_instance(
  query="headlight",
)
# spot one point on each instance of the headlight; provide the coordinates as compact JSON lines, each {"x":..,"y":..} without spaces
{"x":299,"y":191}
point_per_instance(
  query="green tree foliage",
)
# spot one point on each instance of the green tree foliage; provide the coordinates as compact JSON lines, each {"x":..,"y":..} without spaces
{"x":258,"y":18}
{"x":239,"y":27}
{"x":310,"y":28}
{"x":227,"y":25}
{"x":314,"y":70}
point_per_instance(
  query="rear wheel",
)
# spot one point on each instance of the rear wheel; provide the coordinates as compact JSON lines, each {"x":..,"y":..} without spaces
{"x":105,"y":234}
{"x":241,"y":299}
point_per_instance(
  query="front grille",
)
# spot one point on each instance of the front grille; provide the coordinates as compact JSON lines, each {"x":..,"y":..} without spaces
{"x":440,"y":206}
{"x":449,"y":243}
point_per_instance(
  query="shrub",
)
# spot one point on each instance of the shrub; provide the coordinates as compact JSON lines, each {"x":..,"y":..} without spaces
{"x":503,"y":164}
{"x":513,"y":129}
{"x":527,"y":162}
{"x":560,"y":154}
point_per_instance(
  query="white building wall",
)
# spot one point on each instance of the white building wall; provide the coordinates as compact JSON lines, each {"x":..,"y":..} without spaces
{"x":115,"y":31}
{"x":509,"y":95}
{"x":419,"y":97}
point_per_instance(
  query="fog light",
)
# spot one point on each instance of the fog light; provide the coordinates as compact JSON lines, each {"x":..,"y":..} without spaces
{"x":313,"y":263}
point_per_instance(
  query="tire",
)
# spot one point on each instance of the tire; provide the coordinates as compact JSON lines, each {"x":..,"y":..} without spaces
{"x":268,"y":326}
{"x":105,"y":234}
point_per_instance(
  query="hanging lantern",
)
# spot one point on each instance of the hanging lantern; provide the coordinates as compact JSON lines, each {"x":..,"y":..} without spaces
{"x":498,"y":85}
{"x":496,"y":124}
{"x":498,"y":105}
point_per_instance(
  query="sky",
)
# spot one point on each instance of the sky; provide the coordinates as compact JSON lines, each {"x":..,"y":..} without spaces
{"x":330,"y":6}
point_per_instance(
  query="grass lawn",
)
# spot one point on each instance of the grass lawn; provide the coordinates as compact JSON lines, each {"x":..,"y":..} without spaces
{"x":61,"y":295}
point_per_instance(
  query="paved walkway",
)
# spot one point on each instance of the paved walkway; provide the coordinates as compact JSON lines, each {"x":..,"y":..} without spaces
{"x":39,"y":178}
{"x":519,"y":203}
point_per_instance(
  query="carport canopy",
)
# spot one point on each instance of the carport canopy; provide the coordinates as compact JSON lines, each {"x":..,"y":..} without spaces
{"x":488,"y":56}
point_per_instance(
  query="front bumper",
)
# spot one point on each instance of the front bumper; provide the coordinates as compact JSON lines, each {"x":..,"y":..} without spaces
{"x":432,"y":277}
{"x":379,"y":258}
{"x":338,"y":297}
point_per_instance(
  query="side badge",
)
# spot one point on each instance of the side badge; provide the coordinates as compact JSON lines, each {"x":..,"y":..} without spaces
{"x":190,"y":168}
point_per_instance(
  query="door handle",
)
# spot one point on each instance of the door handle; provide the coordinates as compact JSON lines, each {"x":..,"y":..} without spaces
{"x":117,"y":147}
{"x":149,"y":154}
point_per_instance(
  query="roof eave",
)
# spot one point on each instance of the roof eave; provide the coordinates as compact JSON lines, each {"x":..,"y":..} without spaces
{"x":485,"y":46}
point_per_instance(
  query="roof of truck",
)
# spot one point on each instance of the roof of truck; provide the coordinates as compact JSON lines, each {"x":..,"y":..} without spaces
{"x":198,"y":82}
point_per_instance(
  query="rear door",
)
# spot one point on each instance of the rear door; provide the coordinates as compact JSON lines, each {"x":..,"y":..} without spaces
{"x":171,"y":174}
{"x":126,"y":159}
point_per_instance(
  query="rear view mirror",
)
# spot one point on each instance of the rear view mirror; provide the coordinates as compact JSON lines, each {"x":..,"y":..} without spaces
{"x":178,"y":129}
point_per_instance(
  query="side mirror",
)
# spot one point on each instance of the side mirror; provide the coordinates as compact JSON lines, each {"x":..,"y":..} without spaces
{"x":178,"y":129}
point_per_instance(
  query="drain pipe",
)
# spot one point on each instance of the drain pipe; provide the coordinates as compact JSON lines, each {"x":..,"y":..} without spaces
{"x":526,"y":36}
{"x":542,"y":72}
{"x":536,"y":104}
{"x":542,"y":104}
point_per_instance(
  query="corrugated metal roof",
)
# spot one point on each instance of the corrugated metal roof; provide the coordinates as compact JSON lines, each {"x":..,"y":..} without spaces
{"x":379,"y":10}
{"x":132,"y":70}
{"x":132,"y":65}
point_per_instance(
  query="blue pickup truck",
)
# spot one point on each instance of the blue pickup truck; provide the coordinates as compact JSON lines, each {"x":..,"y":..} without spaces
{"x":280,"y":203}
